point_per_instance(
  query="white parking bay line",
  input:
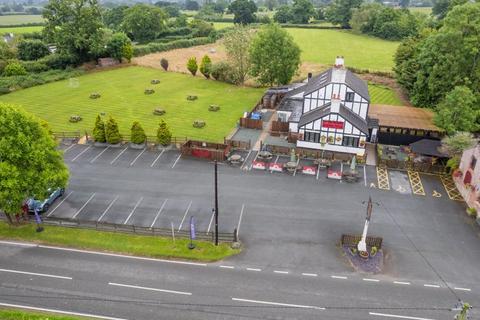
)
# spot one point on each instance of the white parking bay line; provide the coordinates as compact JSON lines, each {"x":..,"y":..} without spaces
{"x":133,"y":210}
{"x":240,"y":218}
{"x":150,"y":289}
{"x":98,"y":155}
{"x":184,"y":216}
{"x":310,"y":274}
{"x":339,"y":277}
{"x":134,"y":160}
{"x":58,"y":205}
{"x":318,"y":170}
{"x":158,"y":213}
{"x":156,"y":159}
{"x":396,"y":316}
{"x":109,"y":206}
{"x":245,"y":161}
{"x":211,"y":221}
{"x":365,"y":175}
{"x":78,"y":155}
{"x":118,"y":156}
{"x":70,"y":313}
{"x":278,"y":304}
{"x":175,"y":163}
{"x":280,"y":271}
{"x":84,"y":205}
{"x":71,"y":146}
{"x":431,"y":285}
{"x":36,"y":274}
{"x":370,"y":280}
{"x":254,"y":269}
{"x":227,"y":267}
{"x":401,"y":282}
{"x":463,"y":289}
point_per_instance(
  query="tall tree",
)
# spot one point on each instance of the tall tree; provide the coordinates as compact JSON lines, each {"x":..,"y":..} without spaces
{"x":144,"y":22}
{"x":243,"y":11}
{"x":274,"y":55}
{"x":302,"y":11}
{"x":283,"y":14}
{"x":99,"y":130}
{"x":271,"y":4}
{"x":164,"y":136}
{"x":75,"y":26}
{"x":112,"y":133}
{"x":237,"y":43}
{"x":206,"y":66}
{"x":31,"y":162}
{"x":455,"y":144}
{"x":113,"y":17}
{"x":339,"y":12}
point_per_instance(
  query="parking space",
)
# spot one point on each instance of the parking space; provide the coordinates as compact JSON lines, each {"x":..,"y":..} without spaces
{"x":174,"y":212}
{"x":432,"y":185}
{"x":400,"y":182}
{"x":74,"y":151}
{"x":123,"y":208}
{"x":70,"y":204}
{"x":146,"y":212}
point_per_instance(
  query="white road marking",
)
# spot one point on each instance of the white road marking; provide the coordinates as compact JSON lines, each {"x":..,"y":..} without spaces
{"x":279,"y":304}
{"x":174,"y":164}
{"x":71,"y":146}
{"x":118,"y":156}
{"x":339,"y":277}
{"x":254,"y":269}
{"x":401,"y":282}
{"x":254,"y":159}
{"x":310,"y":274}
{"x":70,"y":313}
{"x":156,"y":159}
{"x":84,"y":205}
{"x":29,"y":245}
{"x":134,"y":160}
{"x":245,"y":161}
{"x":365,"y":175}
{"x":276,"y":159}
{"x":150,"y":289}
{"x":296,"y":168}
{"x":133,"y":210}
{"x":78,"y":155}
{"x":341,"y":167}
{"x":158,"y":213}
{"x":240,"y":218}
{"x":211,"y":221}
{"x":227,"y":267}
{"x":371,"y":280}
{"x":431,"y":285}
{"x":281,"y":272}
{"x":36,"y":274}
{"x":396,"y":316}
{"x":108,"y":208}
{"x":463,"y":289}
{"x":184,"y":216}
{"x":98,"y":155}
{"x":58,"y":205}
{"x":318,"y":170}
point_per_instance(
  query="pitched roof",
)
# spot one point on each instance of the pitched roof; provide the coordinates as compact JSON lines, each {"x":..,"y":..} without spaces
{"x":314,"y":114}
{"x":428,"y":147}
{"x":318,"y":81}
{"x":357,"y":84}
{"x":346,"y":113}
{"x":403,"y":117}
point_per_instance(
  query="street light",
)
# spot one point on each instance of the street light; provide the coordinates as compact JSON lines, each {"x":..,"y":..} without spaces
{"x":216,"y":203}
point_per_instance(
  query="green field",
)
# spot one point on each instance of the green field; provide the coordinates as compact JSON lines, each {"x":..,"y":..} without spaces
{"x":122,"y":96}
{"x":24,"y":315}
{"x":20,"y":19}
{"x":383,"y":95}
{"x":20,"y":30}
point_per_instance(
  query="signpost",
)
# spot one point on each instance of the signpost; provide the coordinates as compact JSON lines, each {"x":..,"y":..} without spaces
{"x":362,"y":245}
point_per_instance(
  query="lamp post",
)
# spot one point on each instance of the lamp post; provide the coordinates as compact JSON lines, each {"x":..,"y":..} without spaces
{"x":216,"y":203}
{"x":362,"y":245}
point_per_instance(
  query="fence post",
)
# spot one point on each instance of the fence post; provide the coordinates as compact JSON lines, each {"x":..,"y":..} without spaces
{"x":235,"y":235}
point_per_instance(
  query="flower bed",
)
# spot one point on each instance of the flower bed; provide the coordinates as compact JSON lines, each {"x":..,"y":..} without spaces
{"x":149,"y":91}
{"x":199,"y":124}
{"x":159,"y":112}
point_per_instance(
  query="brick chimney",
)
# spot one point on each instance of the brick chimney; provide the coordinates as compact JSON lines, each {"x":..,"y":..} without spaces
{"x":309,"y":76}
{"x":339,"y":62}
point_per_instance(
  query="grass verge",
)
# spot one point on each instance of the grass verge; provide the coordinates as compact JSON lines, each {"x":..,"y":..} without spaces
{"x":24,"y":315}
{"x":146,"y":246}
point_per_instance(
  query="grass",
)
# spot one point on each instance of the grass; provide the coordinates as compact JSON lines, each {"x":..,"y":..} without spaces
{"x":20,"y":30}
{"x":20,"y":19}
{"x":147,"y":246}
{"x":383,"y":95}
{"x":122,"y":97}
{"x":6,"y":314}
{"x":426,"y":10}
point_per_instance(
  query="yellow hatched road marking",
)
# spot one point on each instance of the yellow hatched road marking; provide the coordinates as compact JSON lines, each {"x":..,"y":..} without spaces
{"x":382,"y":177}
{"x":416,"y":183}
{"x":450,"y":187}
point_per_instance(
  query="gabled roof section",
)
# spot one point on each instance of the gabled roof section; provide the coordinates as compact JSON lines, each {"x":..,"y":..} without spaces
{"x":318,"y":81}
{"x":357,"y":84}
{"x":314,"y":114}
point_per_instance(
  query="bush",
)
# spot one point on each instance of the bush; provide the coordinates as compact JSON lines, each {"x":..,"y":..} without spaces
{"x":213,"y":107}
{"x":164,"y":136}
{"x":35,"y":66}
{"x":14,"y":69}
{"x":472,"y":212}
{"x":149,"y":91}
{"x":373,"y":251}
{"x":199,"y":123}
{"x":60,"y":61}
{"x":4,"y":90}
{"x":155,"y":81}
{"x":206,"y":66}
{"x":75,"y":119}
{"x":164,"y":64}
{"x":99,"y":130}
{"x":137,"y":133}
{"x":34,"y":79}
{"x":192,"y":65}
{"x":159,"y":112}
{"x":153,"y":47}
{"x":192,"y":98}
{"x":222,"y":71}
{"x":95,"y":95}
{"x":112,"y":133}
{"x":32,"y":50}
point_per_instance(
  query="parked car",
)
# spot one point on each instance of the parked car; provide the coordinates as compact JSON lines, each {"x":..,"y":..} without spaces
{"x":42,"y":206}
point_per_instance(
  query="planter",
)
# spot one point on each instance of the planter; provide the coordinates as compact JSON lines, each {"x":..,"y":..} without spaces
{"x":137,"y":146}
{"x":75,"y":119}
{"x":155,"y":81}
{"x":95,"y":95}
{"x":199,"y":124}
{"x":213,"y":108}
{"x":159,"y":112}
{"x":149,"y":91}
{"x":363,"y":254}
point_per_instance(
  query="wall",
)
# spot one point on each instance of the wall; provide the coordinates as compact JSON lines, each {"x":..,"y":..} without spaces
{"x":471,"y":195}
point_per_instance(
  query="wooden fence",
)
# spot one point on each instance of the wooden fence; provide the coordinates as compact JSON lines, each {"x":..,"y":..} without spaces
{"x":205,"y":150}
{"x":251,"y":123}
{"x":353,"y":240}
{"x":278,"y":128}
{"x":414,"y":166}
{"x":237,"y":144}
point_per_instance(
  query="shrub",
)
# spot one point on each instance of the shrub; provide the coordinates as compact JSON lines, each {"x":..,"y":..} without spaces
{"x":99,"y":130}
{"x":137,"y":133}
{"x":152,"y":47}
{"x":192,"y":98}
{"x":155,"y":81}
{"x":60,"y":61}
{"x":32,"y":50}
{"x":199,"y":123}
{"x":35,"y":66}
{"x":164,"y":64}
{"x":4,"y":90}
{"x":149,"y":91}
{"x":222,"y":71}
{"x":213,"y":107}
{"x":112,"y":133}
{"x":373,"y":251}
{"x":206,"y":66}
{"x":159,"y":112}
{"x":75,"y":119}
{"x":472,"y":212}
{"x":95,"y":95}
{"x":14,"y":69}
{"x":164,"y":136}
{"x":192,"y":65}
{"x":34,"y":79}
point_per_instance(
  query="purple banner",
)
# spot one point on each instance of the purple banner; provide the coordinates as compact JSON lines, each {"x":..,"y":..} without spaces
{"x":192,"y":227}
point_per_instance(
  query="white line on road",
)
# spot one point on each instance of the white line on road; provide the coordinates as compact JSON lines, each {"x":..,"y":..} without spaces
{"x":339,"y":277}
{"x":29,"y":245}
{"x":463,"y":289}
{"x":108,"y":208}
{"x":281,"y":272}
{"x":71,"y":146}
{"x":78,"y":155}
{"x":296,"y":168}
{"x":58,"y":205}
{"x":98,"y":155}
{"x":310,"y":274}
{"x":318,"y":170}
{"x":396,"y":316}
{"x":118,"y":156}
{"x":184,"y":216}
{"x":174,"y":164}
{"x":156,"y":159}
{"x":245,"y":161}
{"x":84,"y":205}
{"x":159,"y":212}
{"x":133,"y":210}
{"x":240,"y":218}
{"x":371,"y":280}
{"x":365,"y":175}
{"x":431,"y":285}
{"x":401,"y":282}
{"x":254,"y":269}
{"x":36,"y":274}
{"x":70,"y":313}
{"x":227,"y":267}
{"x":279,"y":304}
{"x":211,"y":221}
{"x":150,"y":289}
{"x":134,"y":160}
{"x":276,"y":159}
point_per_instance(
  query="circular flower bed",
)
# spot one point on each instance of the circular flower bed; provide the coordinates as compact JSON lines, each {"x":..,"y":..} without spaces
{"x":155,"y":81}
{"x":213,"y":107}
{"x":95,"y":95}
{"x":149,"y":91}
{"x":199,"y":124}
{"x":75,"y":118}
{"x":192,"y":98}
{"x":158,"y":111}
{"x":363,"y":254}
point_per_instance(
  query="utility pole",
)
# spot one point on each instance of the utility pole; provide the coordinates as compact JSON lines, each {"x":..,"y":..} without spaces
{"x":216,"y":203}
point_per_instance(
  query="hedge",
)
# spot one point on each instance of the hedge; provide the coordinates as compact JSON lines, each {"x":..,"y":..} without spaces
{"x":307,"y":26}
{"x":141,"y":50}
{"x":30,"y":24}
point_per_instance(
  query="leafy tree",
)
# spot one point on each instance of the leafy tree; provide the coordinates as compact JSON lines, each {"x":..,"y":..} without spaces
{"x":117,"y":45}
{"x":404,"y":3}
{"x":220,"y":6}
{"x":164,"y":64}
{"x":277,"y":68}
{"x":31,"y":162}
{"x":459,"y":111}
{"x":181,"y":21}
{"x":302,"y":11}
{"x":192,"y":65}
{"x":237,"y":44}
{"x":283,"y":14}
{"x":75,"y":26}
{"x":339,"y":12}
{"x":14,"y":69}
{"x":271,"y":4}
{"x":191,"y":5}
{"x":99,"y":130}
{"x":113,"y":17}
{"x":441,"y":8}
{"x":31,"y":49}
{"x":172,"y":11}
{"x":112,"y":133}
{"x":454,"y":145}
{"x":137,"y":133}
{"x":127,"y":51}
{"x":223,"y":71}
{"x":201,"y":28}
{"x":406,"y":65}
{"x":206,"y":66}
{"x":243,"y":11}
{"x":164,"y":136}
{"x":144,"y":22}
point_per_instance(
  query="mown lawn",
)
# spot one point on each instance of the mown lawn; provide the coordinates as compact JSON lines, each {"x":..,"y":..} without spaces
{"x":147,"y":246}
{"x":20,"y":19}
{"x":122,"y":97}
{"x":20,"y":30}
{"x":383,"y":95}
{"x":27,"y":315}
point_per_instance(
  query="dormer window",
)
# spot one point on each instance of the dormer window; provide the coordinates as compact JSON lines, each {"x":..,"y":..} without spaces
{"x":349,"y":96}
